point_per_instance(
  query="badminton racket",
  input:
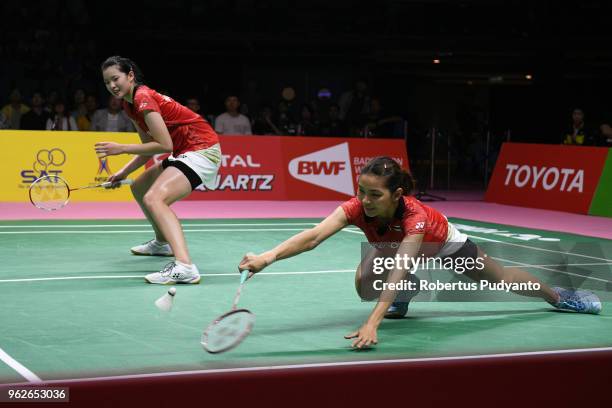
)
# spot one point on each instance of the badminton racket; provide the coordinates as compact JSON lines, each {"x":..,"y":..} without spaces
{"x":230,"y":329}
{"x":51,"y":193}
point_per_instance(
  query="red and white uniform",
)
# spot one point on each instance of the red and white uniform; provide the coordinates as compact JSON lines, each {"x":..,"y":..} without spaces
{"x":411,"y":217}
{"x":188,"y":130}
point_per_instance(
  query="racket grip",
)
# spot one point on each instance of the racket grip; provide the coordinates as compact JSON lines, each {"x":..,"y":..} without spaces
{"x":128,"y":182}
{"x":244,"y":275}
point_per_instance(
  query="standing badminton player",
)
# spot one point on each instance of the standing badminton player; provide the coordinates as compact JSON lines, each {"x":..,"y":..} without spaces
{"x":385,"y":212}
{"x":164,"y":126}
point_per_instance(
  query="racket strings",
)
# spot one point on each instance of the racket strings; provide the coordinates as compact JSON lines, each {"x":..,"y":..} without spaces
{"x":228,"y":331}
{"x":49,"y":193}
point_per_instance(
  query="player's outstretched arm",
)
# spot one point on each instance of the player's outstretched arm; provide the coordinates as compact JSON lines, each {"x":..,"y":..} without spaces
{"x":366,"y":335}
{"x":304,"y":241}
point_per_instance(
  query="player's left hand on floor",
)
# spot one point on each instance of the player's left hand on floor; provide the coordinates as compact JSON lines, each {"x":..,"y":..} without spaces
{"x":364,"y":337}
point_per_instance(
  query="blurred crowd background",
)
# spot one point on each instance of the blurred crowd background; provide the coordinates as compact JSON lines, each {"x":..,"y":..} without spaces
{"x":472,"y":73}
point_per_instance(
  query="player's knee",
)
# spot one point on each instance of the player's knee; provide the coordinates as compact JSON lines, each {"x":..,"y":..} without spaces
{"x":364,"y":287}
{"x":152,"y":199}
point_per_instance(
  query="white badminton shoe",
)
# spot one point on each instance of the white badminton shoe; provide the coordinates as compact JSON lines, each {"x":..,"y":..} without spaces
{"x":175,"y":272}
{"x":153,"y":248}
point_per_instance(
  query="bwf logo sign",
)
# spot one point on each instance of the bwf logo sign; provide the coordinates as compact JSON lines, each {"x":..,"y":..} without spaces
{"x":328,"y":168}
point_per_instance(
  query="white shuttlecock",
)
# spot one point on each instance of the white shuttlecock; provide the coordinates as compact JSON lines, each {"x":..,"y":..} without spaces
{"x":165,"y":302}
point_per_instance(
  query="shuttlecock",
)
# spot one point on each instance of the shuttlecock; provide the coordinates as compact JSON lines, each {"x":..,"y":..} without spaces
{"x":165,"y":302}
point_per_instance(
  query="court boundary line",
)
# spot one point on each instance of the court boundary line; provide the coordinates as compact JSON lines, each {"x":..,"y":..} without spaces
{"x":20,"y":368}
{"x":543,"y":267}
{"x":149,"y":225}
{"x":148,"y":231}
{"x":334,"y":364}
{"x":59,"y":278}
{"x":513,"y":244}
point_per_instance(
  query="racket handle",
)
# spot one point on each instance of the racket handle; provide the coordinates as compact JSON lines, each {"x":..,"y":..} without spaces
{"x":244,"y":275}
{"x":128,"y":182}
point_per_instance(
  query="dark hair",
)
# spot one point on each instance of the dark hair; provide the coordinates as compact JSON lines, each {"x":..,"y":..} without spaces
{"x":396,"y":177}
{"x":125,"y":65}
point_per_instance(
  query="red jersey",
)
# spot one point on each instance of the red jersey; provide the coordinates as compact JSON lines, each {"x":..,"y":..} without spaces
{"x":188,"y":130}
{"x":411,"y":217}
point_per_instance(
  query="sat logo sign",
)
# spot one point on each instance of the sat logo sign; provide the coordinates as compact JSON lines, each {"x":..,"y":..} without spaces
{"x":46,"y":162}
{"x":329,"y":168}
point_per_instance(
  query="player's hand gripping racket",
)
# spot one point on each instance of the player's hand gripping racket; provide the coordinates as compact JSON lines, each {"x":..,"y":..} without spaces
{"x":228,"y":330}
{"x":52,"y":192}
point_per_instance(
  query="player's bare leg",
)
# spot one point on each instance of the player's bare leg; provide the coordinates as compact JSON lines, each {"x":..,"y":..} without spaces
{"x":494,"y":272}
{"x":169,"y":187}
{"x":140,"y":187}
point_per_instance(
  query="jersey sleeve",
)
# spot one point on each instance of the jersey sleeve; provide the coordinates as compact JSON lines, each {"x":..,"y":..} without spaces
{"x":352,"y":209}
{"x":144,"y":101}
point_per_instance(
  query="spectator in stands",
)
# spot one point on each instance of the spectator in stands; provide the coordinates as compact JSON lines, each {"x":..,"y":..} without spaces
{"x":377,"y":123}
{"x":36,"y":118}
{"x":3,"y":122}
{"x":60,"y":118}
{"x":84,"y":120}
{"x":605,"y":136}
{"x":79,"y":108}
{"x":52,"y":97}
{"x":578,"y":134}
{"x":232,"y":122}
{"x":286,"y":124}
{"x":112,"y":118}
{"x":264,"y":123}
{"x":335,"y":126}
{"x":354,"y":104}
{"x":289,"y":112}
{"x":194,"y":105}
{"x":14,"y":110}
{"x":321,"y":106}
{"x":308,"y":125}
{"x":251,"y":102}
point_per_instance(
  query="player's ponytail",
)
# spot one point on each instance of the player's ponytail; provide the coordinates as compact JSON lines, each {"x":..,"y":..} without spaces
{"x":124,"y":65}
{"x":396,"y":177}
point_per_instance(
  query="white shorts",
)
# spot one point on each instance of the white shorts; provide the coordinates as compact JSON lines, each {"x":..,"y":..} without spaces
{"x":200,"y":167}
{"x":454,"y":241}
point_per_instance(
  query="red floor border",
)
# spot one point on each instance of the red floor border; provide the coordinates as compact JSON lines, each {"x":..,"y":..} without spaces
{"x":559,"y":380}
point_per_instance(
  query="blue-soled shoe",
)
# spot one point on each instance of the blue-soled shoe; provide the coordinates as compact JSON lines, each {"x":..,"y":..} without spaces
{"x":397,"y":310}
{"x":581,"y":301}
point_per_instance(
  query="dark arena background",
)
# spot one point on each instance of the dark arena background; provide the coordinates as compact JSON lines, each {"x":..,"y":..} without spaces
{"x":500,"y":110}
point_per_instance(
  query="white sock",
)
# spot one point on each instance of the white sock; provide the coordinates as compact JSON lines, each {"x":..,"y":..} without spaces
{"x":184,"y":265}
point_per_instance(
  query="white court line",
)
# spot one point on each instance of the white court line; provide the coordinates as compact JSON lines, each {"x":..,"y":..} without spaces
{"x":67,"y":232}
{"x":541,"y":249}
{"x":148,"y":225}
{"x":553,"y":270}
{"x":336,"y":364}
{"x":60,"y":278}
{"x":513,"y":244}
{"x":17,"y":366}
{"x":534,"y":266}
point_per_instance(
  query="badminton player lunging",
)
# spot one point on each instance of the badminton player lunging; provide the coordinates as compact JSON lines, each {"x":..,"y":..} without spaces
{"x":385,"y":212}
{"x":164,"y":126}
